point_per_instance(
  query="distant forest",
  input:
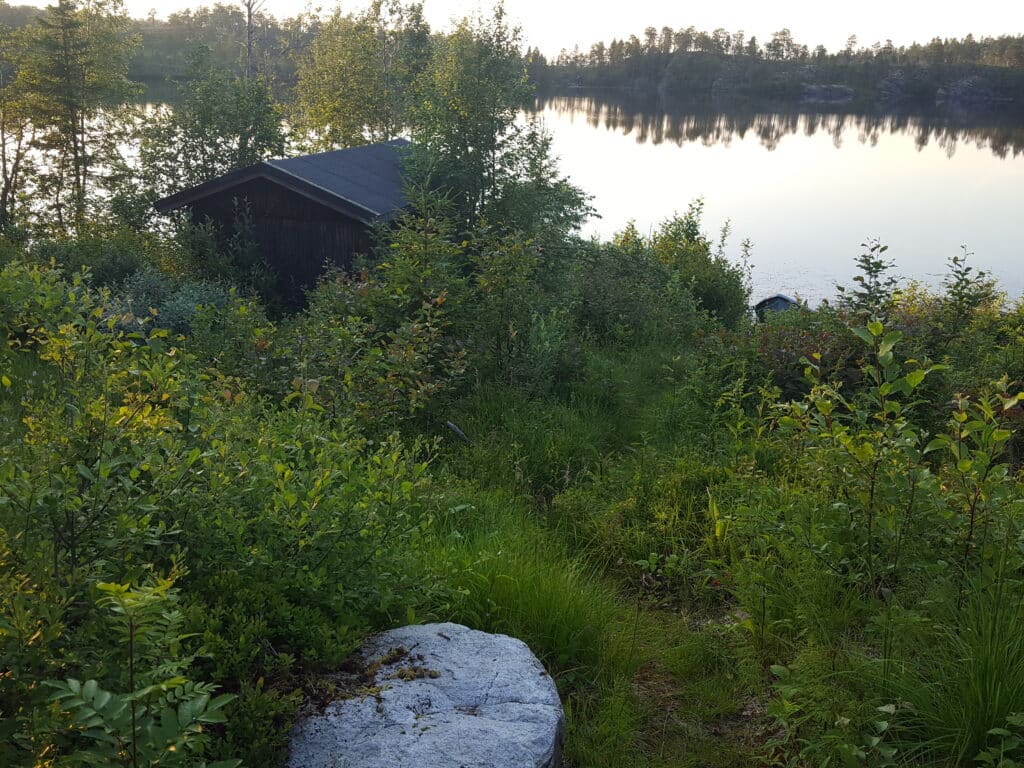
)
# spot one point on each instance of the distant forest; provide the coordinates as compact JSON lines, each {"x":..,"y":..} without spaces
{"x":689,"y":63}
{"x":675,"y":64}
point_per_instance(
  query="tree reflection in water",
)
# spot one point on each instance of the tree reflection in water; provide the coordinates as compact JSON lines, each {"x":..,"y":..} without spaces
{"x":652,"y":121}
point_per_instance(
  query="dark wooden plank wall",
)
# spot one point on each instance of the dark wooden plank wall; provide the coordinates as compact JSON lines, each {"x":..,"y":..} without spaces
{"x":295,"y":235}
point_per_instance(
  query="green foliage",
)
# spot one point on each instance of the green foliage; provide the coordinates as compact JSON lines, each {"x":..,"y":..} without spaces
{"x":313,"y":547}
{"x":74,"y":66}
{"x":513,"y":581}
{"x":529,"y":195}
{"x":110,"y":255}
{"x":354,"y":84}
{"x":968,"y":686}
{"x":258,"y":724}
{"x":876,"y":456}
{"x":221,"y":123}
{"x":797,"y":545}
{"x":16,"y":131}
{"x":1003,"y":744}
{"x":34,"y":296}
{"x":842,"y":733}
{"x":912,"y":531}
{"x":173,"y":305}
{"x":720,"y":286}
{"x":965,"y":292}
{"x":161,"y":720}
{"x":32,"y":627}
{"x":874,"y":294}
{"x":628,"y":296}
{"x":125,"y":457}
{"x":346,"y":362}
{"x":786,"y":339}
{"x":464,"y":107}
{"x":687,"y":63}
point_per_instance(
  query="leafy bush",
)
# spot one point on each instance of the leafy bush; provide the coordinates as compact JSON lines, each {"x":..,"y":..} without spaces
{"x":873,"y":295}
{"x":298,"y":534}
{"x":628,"y":296}
{"x":161,"y":718}
{"x":172,"y":303}
{"x":720,"y":286}
{"x":786,"y":340}
{"x":110,"y":256}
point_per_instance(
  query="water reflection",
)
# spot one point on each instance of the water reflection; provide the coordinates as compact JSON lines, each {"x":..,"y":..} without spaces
{"x":651,"y":121}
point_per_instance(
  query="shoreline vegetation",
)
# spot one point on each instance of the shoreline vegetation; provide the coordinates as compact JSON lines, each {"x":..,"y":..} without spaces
{"x":797,"y":542}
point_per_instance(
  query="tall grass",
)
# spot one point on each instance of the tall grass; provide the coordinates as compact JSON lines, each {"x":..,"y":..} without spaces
{"x":970,"y":681}
{"x":504,"y":572}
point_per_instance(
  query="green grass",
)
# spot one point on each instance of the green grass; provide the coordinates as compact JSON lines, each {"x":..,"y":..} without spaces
{"x":640,"y":688}
{"x":530,"y":541}
{"x":970,"y":681}
{"x":559,"y":501}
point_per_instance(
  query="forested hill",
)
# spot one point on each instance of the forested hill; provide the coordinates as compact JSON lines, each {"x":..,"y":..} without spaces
{"x":689,"y":63}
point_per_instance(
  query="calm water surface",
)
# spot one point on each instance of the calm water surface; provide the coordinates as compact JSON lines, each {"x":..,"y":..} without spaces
{"x":806,"y":188}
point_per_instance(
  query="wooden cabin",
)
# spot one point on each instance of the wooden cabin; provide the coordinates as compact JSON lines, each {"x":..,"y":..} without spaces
{"x":306,"y":212}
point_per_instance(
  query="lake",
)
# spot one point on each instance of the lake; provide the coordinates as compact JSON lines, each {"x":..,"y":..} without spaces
{"x":806,"y":187}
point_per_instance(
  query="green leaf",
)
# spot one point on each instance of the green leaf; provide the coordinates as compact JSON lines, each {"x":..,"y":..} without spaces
{"x":5,"y":381}
{"x":102,"y":699}
{"x":914,"y":378}
{"x":891,"y":340}
{"x":864,"y":335}
{"x":875,"y":328}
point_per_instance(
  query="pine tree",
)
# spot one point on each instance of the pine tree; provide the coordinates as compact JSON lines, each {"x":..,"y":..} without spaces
{"x":75,"y":67}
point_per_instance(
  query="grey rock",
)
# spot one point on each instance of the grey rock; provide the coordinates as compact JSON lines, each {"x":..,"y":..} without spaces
{"x":433,"y":696}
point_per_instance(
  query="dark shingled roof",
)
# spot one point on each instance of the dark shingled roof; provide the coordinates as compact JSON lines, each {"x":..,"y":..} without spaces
{"x":364,"y":183}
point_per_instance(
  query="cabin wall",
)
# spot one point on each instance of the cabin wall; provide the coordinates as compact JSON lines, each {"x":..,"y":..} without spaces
{"x":294,"y":235}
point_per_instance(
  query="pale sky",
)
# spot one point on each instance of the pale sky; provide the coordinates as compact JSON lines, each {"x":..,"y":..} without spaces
{"x":556,"y":24}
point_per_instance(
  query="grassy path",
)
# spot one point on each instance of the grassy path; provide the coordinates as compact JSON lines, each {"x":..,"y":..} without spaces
{"x":542,"y":531}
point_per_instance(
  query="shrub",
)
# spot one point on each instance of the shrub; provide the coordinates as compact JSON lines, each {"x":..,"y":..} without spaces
{"x":627,"y":296}
{"x":720,"y":286}
{"x":110,"y":256}
{"x":173,"y":304}
{"x":298,"y":534}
